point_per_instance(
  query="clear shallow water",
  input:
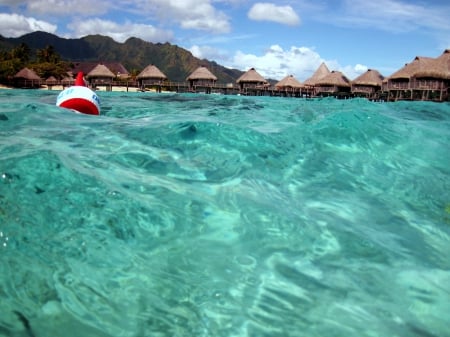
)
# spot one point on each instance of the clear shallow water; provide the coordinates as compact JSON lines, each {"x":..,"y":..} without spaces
{"x":206,"y":215}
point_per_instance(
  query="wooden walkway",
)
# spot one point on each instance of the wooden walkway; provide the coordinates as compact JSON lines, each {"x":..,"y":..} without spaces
{"x":389,"y":95}
{"x":441,"y":94}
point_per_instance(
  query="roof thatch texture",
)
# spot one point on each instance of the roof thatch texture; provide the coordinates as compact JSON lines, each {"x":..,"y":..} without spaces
{"x":289,"y":82}
{"x":335,"y":78}
{"x":100,"y":70}
{"x":151,"y":71}
{"x":86,"y":67}
{"x":370,"y":77}
{"x":51,"y":80}
{"x":251,"y":76}
{"x":67,"y":80}
{"x":410,"y":69}
{"x":201,"y":73}
{"x":320,"y":73}
{"x":27,"y":74}
{"x":435,"y":68}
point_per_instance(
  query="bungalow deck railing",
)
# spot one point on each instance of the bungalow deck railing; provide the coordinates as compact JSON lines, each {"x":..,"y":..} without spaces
{"x":364,"y":89}
{"x":416,"y":83}
{"x":325,"y":89}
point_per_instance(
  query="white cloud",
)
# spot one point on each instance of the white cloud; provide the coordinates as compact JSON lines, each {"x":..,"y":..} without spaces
{"x":209,"y":53}
{"x":269,"y":12}
{"x":353,"y":71}
{"x":14,"y":25}
{"x":120,"y":32}
{"x":301,"y":62}
{"x":276,"y":62}
{"x":189,"y":14}
{"x":393,"y":15}
{"x":66,"y":7}
{"x":360,"y":68}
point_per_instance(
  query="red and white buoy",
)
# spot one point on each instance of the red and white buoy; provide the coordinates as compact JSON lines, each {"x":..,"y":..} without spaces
{"x":79,"y":98}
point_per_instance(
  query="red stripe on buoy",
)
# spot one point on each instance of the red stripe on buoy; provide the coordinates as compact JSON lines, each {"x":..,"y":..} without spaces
{"x":79,"y":97}
{"x":81,"y":105}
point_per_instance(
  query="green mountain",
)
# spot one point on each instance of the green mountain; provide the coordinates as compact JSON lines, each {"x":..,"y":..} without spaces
{"x":135,"y":54}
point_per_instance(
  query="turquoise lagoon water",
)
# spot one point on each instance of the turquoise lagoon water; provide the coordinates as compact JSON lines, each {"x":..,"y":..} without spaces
{"x":208,"y":215}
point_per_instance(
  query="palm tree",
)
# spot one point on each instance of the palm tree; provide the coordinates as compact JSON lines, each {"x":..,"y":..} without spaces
{"x":48,"y":54}
{"x":21,"y":52}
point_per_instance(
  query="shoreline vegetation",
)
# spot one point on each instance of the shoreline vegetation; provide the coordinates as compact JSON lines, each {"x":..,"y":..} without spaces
{"x":424,"y":79}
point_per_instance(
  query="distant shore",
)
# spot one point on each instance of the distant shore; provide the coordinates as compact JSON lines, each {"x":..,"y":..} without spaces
{"x":99,"y":88}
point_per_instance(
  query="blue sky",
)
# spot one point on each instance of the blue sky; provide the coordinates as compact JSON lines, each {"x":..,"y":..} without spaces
{"x":277,"y":38}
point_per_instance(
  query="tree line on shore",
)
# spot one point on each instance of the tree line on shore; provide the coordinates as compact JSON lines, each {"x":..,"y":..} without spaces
{"x":45,"y":62}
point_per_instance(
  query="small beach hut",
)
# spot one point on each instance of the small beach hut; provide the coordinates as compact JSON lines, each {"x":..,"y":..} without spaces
{"x":151,"y":76}
{"x":68,"y":80}
{"x":100,"y":75}
{"x":335,"y":83}
{"x":367,"y":84}
{"x":51,"y":81}
{"x":289,"y":85}
{"x":201,"y":78}
{"x":27,"y":78}
{"x":251,"y":80}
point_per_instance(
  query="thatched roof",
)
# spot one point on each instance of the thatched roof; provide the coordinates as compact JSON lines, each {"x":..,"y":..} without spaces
{"x":201,"y":73}
{"x":410,"y":69}
{"x":445,"y":60}
{"x":251,"y":76}
{"x":335,"y":78}
{"x":67,"y":80}
{"x":151,"y":71}
{"x":370,"y":77}
{"x":289,"y":81}
{"x":86,"y":67}
{"x":51,"y":80}
{"x":100,"y":70}
{"x":320,"y":73}
{"x":27,"y":74}
{"x":435,"y":68}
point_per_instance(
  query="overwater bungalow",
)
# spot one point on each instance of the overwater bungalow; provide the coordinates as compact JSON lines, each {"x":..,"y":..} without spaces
{"x":320,"y":73}
{"x":201,"y":79}
{"x":424,"y":78}
{"x":398,"y":85}
{"x":51,"y":81}
{"x":289,"y":86}
{"x":27,"y":78}
{"x":333,"y":84}
{"x":68,"y":80}
{"x":252,"y":82}
{"x":368,"y":84}
{"x":151,"y":76}
{"x":100,"y":76}
{"x":433,"y":81}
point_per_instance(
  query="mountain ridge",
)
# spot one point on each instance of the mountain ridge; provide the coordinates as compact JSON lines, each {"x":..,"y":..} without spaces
{"x":135,"y":54}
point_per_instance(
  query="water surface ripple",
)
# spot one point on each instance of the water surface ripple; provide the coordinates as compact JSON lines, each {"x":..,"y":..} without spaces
{"x":209,"y":215}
